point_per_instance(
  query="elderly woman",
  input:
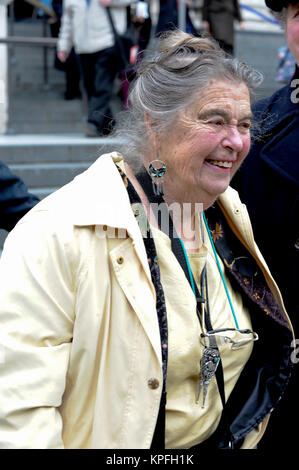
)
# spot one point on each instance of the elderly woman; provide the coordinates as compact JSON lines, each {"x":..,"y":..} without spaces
{"x":131,"y":318}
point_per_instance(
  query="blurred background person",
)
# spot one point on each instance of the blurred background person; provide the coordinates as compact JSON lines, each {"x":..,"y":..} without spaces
{"x":142,"y":24}
{"x":85,"y":26}
{"x":218,"y":17}
{"x":268,"y":183}
{"x":71,"y":65}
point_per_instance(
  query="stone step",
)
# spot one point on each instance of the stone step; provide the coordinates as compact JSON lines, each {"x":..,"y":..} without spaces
{"x":43,"y":149}
{"x":47,"y":162}
{"x":49,"y":174}
{"x":49,"y":108}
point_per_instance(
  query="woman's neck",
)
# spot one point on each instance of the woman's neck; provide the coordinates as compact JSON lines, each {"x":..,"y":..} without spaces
{"x":186,"y":196}
{"x":185,"y":215}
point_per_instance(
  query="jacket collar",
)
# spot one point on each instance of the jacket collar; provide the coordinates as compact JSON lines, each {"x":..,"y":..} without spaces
{"x":103,"y":185}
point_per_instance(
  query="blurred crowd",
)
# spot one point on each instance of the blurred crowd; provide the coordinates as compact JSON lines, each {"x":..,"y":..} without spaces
{"x":101,"y":40}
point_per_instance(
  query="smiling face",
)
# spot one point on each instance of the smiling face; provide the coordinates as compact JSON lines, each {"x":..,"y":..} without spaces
{"x":207,"y":143}
{"x":292,"y":30}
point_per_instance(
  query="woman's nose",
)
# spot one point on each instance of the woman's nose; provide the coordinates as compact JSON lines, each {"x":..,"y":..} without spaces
{"x":233,"y":139}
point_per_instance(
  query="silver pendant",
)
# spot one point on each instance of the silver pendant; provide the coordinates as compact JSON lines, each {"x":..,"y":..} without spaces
{"x":209,"y":363}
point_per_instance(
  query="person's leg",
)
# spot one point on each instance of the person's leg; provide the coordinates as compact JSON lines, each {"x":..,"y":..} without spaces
{"x":72,"y":75}
{"x":87,"y":67}
{"x":99,"y":111}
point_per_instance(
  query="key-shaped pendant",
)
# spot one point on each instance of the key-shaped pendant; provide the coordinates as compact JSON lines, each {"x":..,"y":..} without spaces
{"x":209,"y":363}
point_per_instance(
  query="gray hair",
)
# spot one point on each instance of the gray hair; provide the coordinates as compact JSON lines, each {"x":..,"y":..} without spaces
{"x":169,"y":81}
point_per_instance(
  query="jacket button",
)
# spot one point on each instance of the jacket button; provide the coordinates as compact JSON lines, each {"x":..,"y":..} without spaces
{"x":120,"y":260}
{"x":297,"y":244}
{"x":153,"y":383}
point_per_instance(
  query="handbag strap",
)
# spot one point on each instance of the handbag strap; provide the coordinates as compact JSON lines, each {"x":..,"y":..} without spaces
{"x":108,"y":11}
{"x":117,"y":37}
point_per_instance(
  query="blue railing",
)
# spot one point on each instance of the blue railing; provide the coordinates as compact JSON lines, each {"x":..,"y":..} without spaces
{"x":261,"y":15}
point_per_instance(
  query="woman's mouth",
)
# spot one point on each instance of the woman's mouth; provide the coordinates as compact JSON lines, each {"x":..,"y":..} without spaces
{"x":222,"y":164}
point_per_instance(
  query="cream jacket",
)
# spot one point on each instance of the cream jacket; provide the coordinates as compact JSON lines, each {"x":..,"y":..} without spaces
{"x":87,"y":27}
{"x":80,"y":345}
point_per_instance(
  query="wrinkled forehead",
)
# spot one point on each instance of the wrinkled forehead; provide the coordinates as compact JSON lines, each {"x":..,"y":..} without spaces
{"x":228,"y":97}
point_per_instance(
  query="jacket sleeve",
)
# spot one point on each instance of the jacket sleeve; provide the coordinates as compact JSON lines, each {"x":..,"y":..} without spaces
{"x":36,"y":307}
{"x":65,"y":39}
{"x":15,"y":200}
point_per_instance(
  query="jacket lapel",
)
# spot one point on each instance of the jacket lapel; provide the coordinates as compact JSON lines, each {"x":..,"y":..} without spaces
{"x":102,"y":184}
{"x":111,"y":209}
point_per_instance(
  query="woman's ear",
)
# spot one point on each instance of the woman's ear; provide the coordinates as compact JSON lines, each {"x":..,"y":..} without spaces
{"x":153,"y":148}
{"x":149,"y":124}
{"x":151,"y":130}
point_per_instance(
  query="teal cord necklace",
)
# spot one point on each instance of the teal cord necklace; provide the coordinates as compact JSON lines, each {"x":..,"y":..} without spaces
{"x":220,"y":271}
{"x":218,"y":266}
{"x":211,"y":355}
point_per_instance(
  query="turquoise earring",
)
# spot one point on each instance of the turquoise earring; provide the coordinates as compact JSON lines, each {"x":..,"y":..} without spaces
{"x":157,"y":170}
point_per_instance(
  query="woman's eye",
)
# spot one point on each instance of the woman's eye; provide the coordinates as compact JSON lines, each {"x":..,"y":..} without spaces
{"x":245,"y":125}
{"x":217,"y":122}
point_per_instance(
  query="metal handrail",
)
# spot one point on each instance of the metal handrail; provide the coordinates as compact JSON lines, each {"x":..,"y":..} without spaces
{"x":44,"y":42}
{"x":29,"y":41}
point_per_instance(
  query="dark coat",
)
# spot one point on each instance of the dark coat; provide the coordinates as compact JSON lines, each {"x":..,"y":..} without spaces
{"x":15,"y":200}
{"x":268,"y":182}
{"x":221,"y":15}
